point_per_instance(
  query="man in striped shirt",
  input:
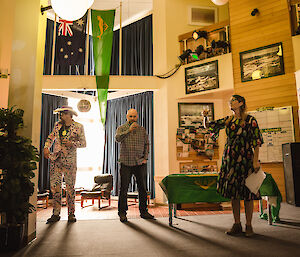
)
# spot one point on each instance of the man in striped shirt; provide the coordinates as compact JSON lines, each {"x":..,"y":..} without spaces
{"x":133,"y":158}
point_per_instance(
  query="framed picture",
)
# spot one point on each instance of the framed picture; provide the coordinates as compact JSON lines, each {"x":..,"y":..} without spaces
{"x":201,"y":77}
{"x":191,"y":114}
{"x":263,"y":62}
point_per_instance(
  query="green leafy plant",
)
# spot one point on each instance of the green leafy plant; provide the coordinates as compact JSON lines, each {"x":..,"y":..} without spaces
{"x":18,"y":159}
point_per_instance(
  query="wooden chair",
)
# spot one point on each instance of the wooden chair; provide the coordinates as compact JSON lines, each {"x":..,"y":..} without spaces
{"x":135,"y":195}
{"x":44,"y":197}
{"x":101,"y":190}
{"x":95,"y":195}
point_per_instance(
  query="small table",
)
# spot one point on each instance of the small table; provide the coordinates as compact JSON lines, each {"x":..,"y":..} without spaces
{"x":190,"y":188}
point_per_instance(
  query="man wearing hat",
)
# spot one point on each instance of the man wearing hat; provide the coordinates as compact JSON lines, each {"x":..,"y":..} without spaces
{"x":68,"y":136}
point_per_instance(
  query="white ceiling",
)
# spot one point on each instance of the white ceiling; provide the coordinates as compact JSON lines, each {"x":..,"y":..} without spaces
{"x":111,"y":95}
{"x":132,"y":10}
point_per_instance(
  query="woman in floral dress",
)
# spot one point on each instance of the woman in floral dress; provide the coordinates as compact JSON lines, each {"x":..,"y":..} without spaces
{"x":240,"y":159}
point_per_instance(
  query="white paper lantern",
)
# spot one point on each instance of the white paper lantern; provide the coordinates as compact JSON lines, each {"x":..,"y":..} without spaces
{"x":70,"y":10}
{"x":220,"y":2}
{"x":90,"y":3}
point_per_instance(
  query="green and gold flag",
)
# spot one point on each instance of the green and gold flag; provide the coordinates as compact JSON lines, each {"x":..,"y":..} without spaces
{"x":102,"y":25}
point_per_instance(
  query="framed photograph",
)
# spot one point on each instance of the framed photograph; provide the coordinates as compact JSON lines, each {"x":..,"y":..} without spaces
{"x":191,"y":114}
{"x":201,"y":77}
{"x":263,"y":62}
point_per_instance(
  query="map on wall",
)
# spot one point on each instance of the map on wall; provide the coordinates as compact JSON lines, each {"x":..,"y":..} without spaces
{"x":277,"y":128}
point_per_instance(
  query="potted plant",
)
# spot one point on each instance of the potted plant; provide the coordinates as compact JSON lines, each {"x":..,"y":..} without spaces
{"x":18,"y":159}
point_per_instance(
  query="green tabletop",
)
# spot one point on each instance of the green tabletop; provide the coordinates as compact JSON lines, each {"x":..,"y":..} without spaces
{"x":192,"y":188}
{"x":185,"y":188}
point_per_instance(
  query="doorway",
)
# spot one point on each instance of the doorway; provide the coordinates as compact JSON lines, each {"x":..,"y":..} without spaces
{"x":94,"y":160}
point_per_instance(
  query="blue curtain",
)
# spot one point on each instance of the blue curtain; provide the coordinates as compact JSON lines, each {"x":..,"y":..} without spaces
{"x":48,"y":119}
{"x":115,"y":117}
{"x":137,"y":51}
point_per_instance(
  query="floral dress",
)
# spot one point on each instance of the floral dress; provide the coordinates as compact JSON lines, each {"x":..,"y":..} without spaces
{"x":237,"y":160}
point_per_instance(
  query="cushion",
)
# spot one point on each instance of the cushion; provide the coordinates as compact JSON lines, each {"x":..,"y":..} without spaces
{"x":91,"y":194}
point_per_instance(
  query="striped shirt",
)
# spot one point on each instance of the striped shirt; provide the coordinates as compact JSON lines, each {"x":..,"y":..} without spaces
{"x":134,"y":145}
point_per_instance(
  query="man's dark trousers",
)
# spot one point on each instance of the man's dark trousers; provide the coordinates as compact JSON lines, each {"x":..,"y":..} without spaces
{"x":140,"y":173}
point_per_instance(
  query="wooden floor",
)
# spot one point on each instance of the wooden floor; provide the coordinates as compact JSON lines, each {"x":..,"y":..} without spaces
{"x":90,"y":212}
{"x":190,"y":236}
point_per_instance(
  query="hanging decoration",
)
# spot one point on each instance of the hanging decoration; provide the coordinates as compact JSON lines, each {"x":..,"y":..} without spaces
{"x":220,"y":2}
{"x":84,"y":105}
{"x":102,"y":26}
{"x":71,"y":10}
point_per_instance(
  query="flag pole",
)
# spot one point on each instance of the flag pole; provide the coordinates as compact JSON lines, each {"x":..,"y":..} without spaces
{"x":53,"y":48}
{"x":120,"y":42}
{"x":87,"y":43}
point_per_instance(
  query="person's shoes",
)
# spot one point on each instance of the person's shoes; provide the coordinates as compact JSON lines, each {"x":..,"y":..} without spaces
{"x":235,"y":230}
{"x":123,"y":217}
{"x":249,"y":231}
{"x":53,"y":218}
{"x":71,"y":218}
{"x":147,"y":216}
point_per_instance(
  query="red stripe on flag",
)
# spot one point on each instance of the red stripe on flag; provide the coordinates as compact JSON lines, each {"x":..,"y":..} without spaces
{"x":64,"y":28}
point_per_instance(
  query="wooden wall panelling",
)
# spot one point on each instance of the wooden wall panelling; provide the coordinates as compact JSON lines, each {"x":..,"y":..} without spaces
{"x":272,"y":25}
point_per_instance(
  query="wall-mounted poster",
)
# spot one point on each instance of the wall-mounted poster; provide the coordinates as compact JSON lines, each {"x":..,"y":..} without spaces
{"x":277,"y":128}
{"x":191,"y":114}
{"x":263,"y":62}
{"x":201,"y":77}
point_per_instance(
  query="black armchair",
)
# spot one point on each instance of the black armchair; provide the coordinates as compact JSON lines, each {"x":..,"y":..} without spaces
{"x":101,"y":190}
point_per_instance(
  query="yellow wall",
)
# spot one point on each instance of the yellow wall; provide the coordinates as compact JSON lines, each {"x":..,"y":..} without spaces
{"x":89,"y":82}
{"x":27,"y":58}
{"x":6,"y":34}
{"x":296,"y":48}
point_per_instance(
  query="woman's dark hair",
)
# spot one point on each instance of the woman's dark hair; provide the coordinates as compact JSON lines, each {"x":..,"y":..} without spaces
{"x":241,"y":99}
{"x":243,"y":109}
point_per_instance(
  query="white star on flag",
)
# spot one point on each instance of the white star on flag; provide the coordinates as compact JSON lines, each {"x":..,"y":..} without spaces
{"x":80,"y":22}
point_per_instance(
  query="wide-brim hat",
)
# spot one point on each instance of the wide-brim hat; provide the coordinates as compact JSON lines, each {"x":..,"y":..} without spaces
{"x":65,"y":108}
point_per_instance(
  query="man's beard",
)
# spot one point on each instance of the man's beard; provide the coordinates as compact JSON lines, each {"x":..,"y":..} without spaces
{"x":62,"y":121}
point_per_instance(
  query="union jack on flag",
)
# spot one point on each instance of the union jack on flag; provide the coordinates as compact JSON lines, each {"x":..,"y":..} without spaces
{"x":64,"y":28}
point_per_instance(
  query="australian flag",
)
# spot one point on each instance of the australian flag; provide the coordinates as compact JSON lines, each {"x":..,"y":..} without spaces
{"x":70,"y":41}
